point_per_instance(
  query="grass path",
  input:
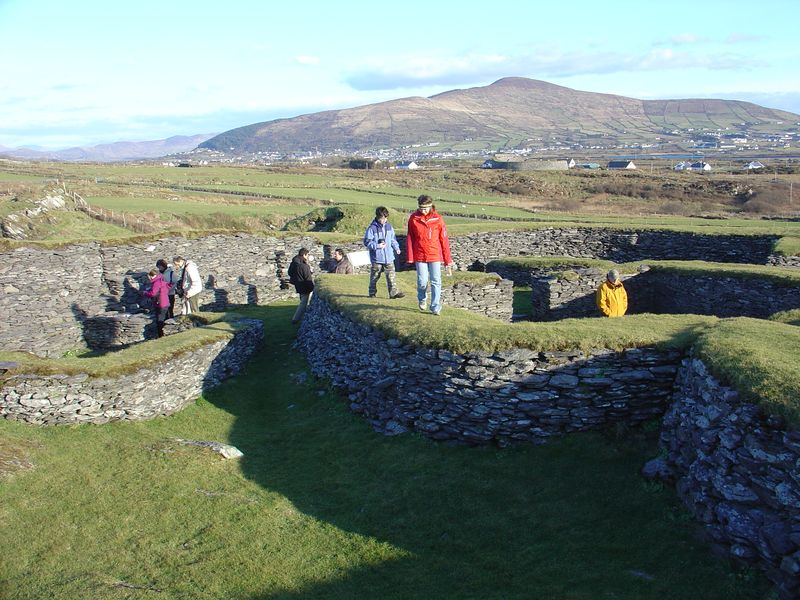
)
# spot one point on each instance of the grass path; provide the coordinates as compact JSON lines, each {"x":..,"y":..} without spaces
{"x":322,"y":507}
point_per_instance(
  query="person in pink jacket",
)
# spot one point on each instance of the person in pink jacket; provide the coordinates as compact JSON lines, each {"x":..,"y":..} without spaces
{"x":159,"y":292}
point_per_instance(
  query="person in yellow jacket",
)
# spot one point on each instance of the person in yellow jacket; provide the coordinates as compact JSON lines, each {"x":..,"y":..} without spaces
{"x":612,"y":299}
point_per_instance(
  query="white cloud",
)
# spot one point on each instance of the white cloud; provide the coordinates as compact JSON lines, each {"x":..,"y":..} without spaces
{"x":687,"y":38}
{"x":416,"y":71}
{"x":307,"y":60}
{"x":739,"y":38}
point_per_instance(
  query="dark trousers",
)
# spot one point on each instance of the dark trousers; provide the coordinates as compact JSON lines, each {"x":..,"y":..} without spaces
{"x":161,"y":316}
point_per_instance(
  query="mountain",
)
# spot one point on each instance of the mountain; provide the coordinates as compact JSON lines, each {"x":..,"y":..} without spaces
{"x":511,"y":112}
{"x":114,"y":151}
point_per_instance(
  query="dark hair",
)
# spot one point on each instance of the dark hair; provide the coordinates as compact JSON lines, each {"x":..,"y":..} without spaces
{"x":161,"y":263}
{"x":152,"y":273}
{"x":339,"y":250}
{"x":178,"y":259}
{"x":302,"y":252}
{"x":424,"y":200}
{"x":381,"y":211}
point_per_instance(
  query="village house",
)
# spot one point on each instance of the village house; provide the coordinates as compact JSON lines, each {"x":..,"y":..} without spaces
{"x":692,"y":166}
{"x":407,"y":165}
{"x":621,"y":164}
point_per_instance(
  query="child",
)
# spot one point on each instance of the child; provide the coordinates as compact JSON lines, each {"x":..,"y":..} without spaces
{"x":383,"y":248}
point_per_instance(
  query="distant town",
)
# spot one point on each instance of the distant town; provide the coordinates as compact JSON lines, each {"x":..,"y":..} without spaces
{"x":689,"y":144}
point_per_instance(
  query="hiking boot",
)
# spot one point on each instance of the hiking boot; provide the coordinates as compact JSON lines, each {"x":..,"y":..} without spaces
{"x":422,"y":305}
{"x":398,"y":295}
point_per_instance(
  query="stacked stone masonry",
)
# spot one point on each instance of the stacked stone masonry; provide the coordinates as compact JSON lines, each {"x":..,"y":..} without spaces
{"x":491,"y":298}
{"x":738,"y":471}
{"x":568,"y":291}
{"x":477,"y":398}
{"x":146,"y":393}
{"x":48,"y":295}
{"x":475,"y":250}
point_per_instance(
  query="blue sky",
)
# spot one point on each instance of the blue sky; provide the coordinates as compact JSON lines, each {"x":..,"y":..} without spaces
{"x":86,"y":72}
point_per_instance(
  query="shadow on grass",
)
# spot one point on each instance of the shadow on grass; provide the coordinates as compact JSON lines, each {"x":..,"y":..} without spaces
{"x":571,"y":519}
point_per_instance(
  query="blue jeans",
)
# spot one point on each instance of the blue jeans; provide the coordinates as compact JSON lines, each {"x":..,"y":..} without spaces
{"x":432,"y":271}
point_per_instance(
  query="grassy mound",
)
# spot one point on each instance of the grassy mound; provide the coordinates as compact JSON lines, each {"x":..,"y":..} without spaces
{"x":756,"y":357}
{"x":759,"y":359}
{"x":462,"y":331}
{"x":345,"y":218}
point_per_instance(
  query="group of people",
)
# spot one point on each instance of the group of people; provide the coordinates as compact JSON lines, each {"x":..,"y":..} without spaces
{"x":427,"y":247}
{"x":181,"y":279}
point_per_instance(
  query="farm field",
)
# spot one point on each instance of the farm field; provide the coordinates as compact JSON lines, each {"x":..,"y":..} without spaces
{"x":253,"y":198}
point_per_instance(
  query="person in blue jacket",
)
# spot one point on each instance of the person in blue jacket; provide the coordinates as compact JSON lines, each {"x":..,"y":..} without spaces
{"x":383,"y":248}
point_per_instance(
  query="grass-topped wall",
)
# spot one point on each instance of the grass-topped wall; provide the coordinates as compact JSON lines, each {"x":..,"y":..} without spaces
{"x":153,"y":378}
{"x":757,"y":357}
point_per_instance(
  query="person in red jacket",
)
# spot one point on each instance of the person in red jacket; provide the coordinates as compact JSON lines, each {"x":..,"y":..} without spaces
{"x":427,"y":247}
{"x":159,"y":292}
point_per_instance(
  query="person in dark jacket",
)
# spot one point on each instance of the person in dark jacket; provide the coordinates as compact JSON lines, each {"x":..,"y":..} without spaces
{"x":383,"y":247}
{"x":302,"y":277}
{"x":342,"y":264}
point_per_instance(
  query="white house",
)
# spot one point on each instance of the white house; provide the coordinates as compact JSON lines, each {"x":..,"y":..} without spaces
{"x":621,"y":164}
{"x":754,"y":165}
{"x":407,"y":165}
{"x":688,"y":165}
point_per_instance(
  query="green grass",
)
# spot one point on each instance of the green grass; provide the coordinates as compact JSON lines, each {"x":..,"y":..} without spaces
{"x":462,"y":331}
{"x":788,"y":246}
{"x":522,"y":301}
{"x":745,"y":359}
{"x":130,"y":359}
{"x":18,"y":177}
{"x":320,"y":506}
{"x":759,"y":358}
{"x":177,"y":207}
{"x":65,"y":226}
{"x":787,"y":316}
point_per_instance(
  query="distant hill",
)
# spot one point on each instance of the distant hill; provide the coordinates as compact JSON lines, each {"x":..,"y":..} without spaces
{"x":114,"y":151}
{"x":511,"y":112}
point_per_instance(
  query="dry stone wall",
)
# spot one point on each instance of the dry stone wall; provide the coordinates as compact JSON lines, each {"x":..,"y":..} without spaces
{"x":52,"y":298}
{"x":479,"y":398}
{"x":493,"y":298}
{"x":568,"y":291}
{"x":85,"y":295}
{"x":146,"y":393}
{"x":45,"y":294}
{"x":738,"y":471}
{"x":475,"y":250}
